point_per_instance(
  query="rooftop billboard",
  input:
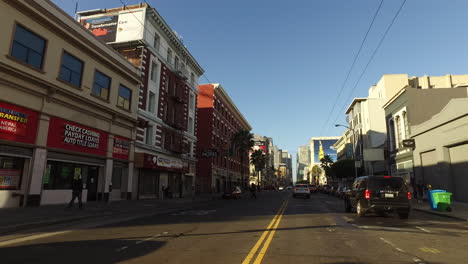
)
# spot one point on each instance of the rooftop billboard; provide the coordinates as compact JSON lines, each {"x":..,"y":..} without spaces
{"x":322,"y":147}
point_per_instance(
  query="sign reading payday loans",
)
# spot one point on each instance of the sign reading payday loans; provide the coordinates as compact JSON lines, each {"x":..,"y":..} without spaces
{"x":17,"y":123}
{"x":124,"y":26}
{"x":72,"y":136}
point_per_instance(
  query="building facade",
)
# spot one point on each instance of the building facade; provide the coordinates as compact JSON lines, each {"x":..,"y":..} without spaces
{"x":219,"y":119}
{"x":415,"y":102}
{"x":67,"y":110}
{"x":266,"y":177}
{"x":441,"y":150}
{"x":302,"y":159}
{"x":165,"y":161}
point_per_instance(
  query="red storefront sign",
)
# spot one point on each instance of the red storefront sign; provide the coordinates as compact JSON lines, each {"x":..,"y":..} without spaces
{"x":64,"y":134}
{"x":17,"y":123}
{"x":121,"y":148}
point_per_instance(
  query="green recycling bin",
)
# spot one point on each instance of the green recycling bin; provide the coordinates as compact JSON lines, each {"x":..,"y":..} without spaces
{"x":442,"y":200}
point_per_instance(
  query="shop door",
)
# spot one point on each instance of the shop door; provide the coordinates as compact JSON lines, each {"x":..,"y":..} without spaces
{"x":459,"y":164}
{"x":148,"y":184}
{"x":92,"y":183}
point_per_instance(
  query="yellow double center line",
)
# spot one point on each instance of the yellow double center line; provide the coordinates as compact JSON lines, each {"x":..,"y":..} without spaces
{"x":270,"y":232}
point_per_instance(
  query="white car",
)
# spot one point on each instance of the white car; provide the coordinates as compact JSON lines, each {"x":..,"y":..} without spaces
{"x":301,"y":190}
{"x":281,"y":188}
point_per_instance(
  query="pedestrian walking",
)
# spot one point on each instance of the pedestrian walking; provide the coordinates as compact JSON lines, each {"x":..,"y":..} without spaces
{"x":253,"y":189}
{"x":77,"y":190}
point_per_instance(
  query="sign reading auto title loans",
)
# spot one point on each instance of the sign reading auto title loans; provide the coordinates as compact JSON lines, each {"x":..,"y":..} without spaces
{"x":80,"y":136}
{"x":68,"y":135}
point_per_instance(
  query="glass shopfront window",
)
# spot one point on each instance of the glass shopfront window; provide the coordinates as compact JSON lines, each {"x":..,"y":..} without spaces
{"x":59,"y":175}
{"x":11,"y":171}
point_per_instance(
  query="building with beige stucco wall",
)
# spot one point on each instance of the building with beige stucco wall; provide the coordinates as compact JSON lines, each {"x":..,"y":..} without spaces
{"x":68,"y":108}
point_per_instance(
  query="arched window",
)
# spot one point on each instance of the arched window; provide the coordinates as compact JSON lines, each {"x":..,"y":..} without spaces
{"x":398,"y":133}
{"x":405,"y":124}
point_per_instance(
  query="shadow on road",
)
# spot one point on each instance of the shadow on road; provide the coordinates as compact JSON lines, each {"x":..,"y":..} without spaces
{"x":85,"y":251}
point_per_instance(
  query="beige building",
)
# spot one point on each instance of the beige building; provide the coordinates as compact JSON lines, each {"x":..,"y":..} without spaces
{"x":441,"y":153}
{"x":68,"y":109}
{"x":413,"y":101}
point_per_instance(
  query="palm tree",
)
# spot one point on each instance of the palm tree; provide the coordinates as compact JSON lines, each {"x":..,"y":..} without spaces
{"x":241,"y":143}
{"x":258,"y":159}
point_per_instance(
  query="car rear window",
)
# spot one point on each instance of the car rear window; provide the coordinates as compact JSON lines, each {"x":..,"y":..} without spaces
{"x":301,"y":186}
{"x":390,"y":184}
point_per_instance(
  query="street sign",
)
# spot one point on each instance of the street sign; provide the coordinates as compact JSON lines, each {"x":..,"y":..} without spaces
{"x":210,"y":153}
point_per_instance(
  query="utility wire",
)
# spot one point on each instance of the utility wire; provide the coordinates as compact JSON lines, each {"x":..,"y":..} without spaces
{"x":371,"y":58}
{"x":352,"y":66}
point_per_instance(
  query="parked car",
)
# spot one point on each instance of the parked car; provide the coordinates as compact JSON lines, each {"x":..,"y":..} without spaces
{"x":235,"y":193}
{"x":343,"y":191}
{"x":301,"y":190}
{"x":289,"y":188}
{"x":312,"y":188}
{"x":379,"y":194}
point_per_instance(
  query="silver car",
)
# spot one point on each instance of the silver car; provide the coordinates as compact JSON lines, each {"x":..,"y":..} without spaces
{"x":301,"y":190}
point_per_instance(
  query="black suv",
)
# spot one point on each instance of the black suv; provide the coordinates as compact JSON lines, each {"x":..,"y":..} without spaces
{"x":378,"y":194}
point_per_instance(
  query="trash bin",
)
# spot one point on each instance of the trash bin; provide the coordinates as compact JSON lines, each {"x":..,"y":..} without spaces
{"x":430,"y":198}
{"x":442,"y":200}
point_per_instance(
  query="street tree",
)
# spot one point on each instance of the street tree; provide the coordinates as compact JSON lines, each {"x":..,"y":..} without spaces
{"x":241,"y":143}
{"x":327,"y":162}
{"x":258,"y":159}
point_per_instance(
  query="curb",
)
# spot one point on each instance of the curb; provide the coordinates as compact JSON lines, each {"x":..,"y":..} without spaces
{"x":439,"y":214}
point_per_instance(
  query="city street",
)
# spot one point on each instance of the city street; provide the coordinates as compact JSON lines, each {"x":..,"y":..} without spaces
{"x":275,"y":228}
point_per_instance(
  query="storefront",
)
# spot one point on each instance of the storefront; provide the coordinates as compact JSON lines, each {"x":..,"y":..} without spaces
{"x":159,"y":176}
{"x":120,"y":169}
{"x":18,"y":129}
{"x":84,"y":156}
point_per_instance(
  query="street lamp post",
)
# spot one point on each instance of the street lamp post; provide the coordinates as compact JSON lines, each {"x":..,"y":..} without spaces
{"x":353,"y":146}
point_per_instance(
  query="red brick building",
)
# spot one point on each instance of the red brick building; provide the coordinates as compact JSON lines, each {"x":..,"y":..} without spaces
{"x":218,"y":120}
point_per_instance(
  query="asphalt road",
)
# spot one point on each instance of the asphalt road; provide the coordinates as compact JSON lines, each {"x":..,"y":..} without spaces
{"x":275,"y":228}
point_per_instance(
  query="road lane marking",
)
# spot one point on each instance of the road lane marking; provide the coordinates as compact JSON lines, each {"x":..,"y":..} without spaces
{"x":265,"y":233}
{"x":388,"y":242}
{"x":429,"y":250}
{"x":347,"y":219}
{"x":262,"y":252}
{"x":423,"y":229}
{"x":27,"y":238}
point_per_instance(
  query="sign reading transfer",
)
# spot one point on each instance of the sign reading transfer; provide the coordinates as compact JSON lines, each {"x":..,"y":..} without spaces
{"x":17,"y":123}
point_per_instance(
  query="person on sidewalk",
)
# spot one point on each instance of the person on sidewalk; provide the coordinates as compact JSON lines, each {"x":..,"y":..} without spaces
{"x":253,"y":189}
{"x":77,"y":190}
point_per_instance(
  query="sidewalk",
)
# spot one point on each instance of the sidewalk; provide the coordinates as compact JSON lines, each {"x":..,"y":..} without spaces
{"x":459,"y":210}
{"x":22,"y":218}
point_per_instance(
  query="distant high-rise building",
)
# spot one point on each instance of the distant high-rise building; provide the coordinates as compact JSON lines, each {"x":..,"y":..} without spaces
{"x":302,"y":159}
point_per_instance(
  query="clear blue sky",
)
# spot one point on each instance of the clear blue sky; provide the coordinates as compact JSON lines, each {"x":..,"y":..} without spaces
{"x":283,"y":62}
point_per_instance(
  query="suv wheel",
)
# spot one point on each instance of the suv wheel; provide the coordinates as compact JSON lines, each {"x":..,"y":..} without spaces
{"x":359,"y":210}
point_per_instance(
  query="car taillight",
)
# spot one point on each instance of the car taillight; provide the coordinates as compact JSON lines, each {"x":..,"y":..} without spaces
{"x":367,"y":194}
{"x":409,"y":195}
{"x":387,"y":177}
{"x":308,"y":189}
{"x":295,"y":189}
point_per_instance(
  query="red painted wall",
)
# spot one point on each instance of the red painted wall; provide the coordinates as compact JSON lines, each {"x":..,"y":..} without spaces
{"x":68,"y":135}
{"x":18,"y":123}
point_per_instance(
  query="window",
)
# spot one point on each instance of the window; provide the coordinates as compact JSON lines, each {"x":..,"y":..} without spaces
{"x":153,"y":74}
{"x":11,"y":171}
{"x":191,"y":102}
{"x":149,"y":135}
{"x":157,"y":41}
{"x":165,"y":112}
{"x":192,"y":78}
{"x":169,"y":56}
{"x":176,"y":62}
{"x":28,"y":47}
{"x":151,"y":102}
{"x":125,"y":96}
{"x":398,"y":131}
{"x":405,"y":124}
{"x":190,"y":125}
{"x":71,"y":69}
{"x":174,"y":115}
{"x":101,"y":85}
{"x":59,"y":175}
